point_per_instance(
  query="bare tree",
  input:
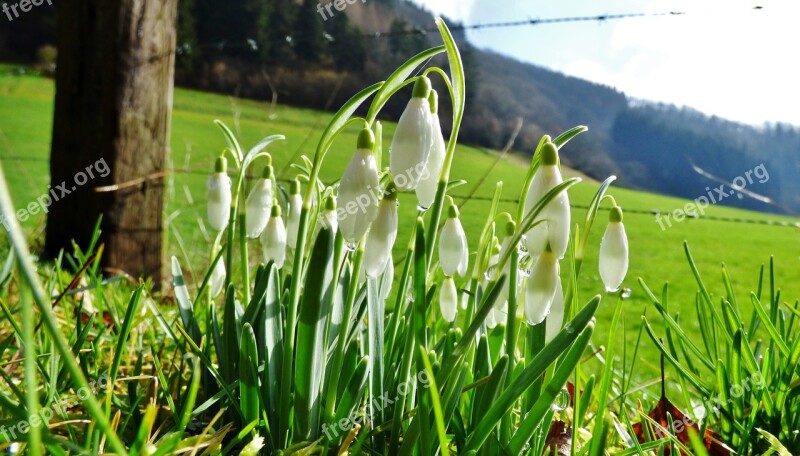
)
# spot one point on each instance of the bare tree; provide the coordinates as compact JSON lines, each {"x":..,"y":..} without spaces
{"x":114,"y":88}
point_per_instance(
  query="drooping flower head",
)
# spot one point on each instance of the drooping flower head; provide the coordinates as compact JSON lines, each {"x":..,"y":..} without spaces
{"x":382,"y":234}
{"x":412,"y":138}
{"x":259,"y":202}
{"x":429,"y":179}
{"x":293,"y":216}
{"x":541,"y":288}
{"x":357,"y":188}
{"x":556,"y":215}
{"x":218,"y":193}
{"x":453,"y":248}
{"x":273,"y":238}
{"x":448,"y":299}
{"x":614,"y":251}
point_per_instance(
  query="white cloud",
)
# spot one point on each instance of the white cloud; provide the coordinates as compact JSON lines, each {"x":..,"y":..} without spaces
{"x":729,"y":60}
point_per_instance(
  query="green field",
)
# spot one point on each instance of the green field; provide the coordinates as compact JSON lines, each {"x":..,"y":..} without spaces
{"x":26,"y":107}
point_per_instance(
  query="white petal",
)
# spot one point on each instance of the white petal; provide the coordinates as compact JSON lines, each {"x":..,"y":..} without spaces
{"x":258,"y":206}
{"x":273,"y":240}
{"x":217,"y":279}
{"x":429,"y":180}
{"x":541,"y":288}
{"x":448,"y":299}
{"x":453,"y":249}
{"x":411,"y":144}
{"x":556,"y":215}
{"x":218,"y":189}
{"x":556,"y":316}
{"x":613,"y":256}
{"x":293,"y":219}
{"x":359,"y":190}
{"x":381,"y":237}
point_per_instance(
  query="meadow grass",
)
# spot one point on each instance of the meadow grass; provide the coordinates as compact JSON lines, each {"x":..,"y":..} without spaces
{"x":26,"y":108}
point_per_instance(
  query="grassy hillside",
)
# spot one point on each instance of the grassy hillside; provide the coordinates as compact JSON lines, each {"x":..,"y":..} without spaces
{"x":26,"y":106}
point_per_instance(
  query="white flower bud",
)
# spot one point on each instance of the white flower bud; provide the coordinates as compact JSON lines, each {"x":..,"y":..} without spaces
{"x":273,"y":238}
{"x":328,"y":217}
{"x":217,"y":279}
{"x":541,"y":287}
{"x":382,"y":234}
{"x":614,"y":252}
{"x":219,"y":197}
{"x":259,"y":204}
{"x":357,"y":189}
{"x":429,"y":178}
{"x":412,"y":138}
{"x":293,"y":216}
{"x":556,"y":316}
{"x":556,"y":215}
{"x":453,"y":248}
{"x":252,"y":448}
{"x":448,"y":299}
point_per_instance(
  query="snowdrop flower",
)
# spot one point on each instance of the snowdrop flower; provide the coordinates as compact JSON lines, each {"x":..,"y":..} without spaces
{"x":453,"y":248}
{"x":541,"y":288}
{"x":358,"y":184}
{"x":502,"y":299}
{"x":556,"y":316}
{"x":412,"y":138}
{"x":555,"y":227}
{"x":293,"y":216}
{"x":273,"y":238}
{"x":448,"y":299}
{"x":259,"y":204}
{"x":382,"y":234}
{"x":429,"y":179}
{"x":217,"y":279}
{"x":614,"y":251}
{"x":219,"y":195}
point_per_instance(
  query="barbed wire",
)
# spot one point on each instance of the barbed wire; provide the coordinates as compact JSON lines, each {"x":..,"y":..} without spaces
{"x":530,"y":22}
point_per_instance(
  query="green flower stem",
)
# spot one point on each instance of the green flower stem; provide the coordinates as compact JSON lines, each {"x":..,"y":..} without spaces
{"x":31,"y":394}
{"x":291,"y":323}
{"x":28,"y":271}
{"x":511,"y":337}
{"x":244,"y":258}
{"x":341,"y":342}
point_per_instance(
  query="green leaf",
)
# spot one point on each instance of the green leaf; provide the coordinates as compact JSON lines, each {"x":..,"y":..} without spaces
{"x":554,"y":387}
{"x":248,"y":375}
{"x":233,"y":143}
{"x":433,"y":391}
{"x":532,"y":370}
{"x":311,"y":356}
{"x":184,"y":303}
{"x":340,"y":119}
{"x":273,"y":342}
{"x":565,"y":137}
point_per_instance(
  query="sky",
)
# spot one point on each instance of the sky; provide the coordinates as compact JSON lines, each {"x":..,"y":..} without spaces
{"x":723,"y":57}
